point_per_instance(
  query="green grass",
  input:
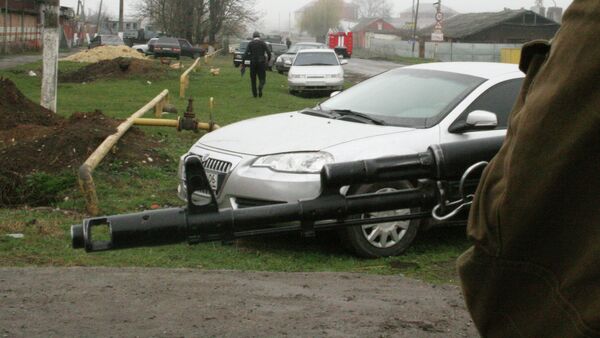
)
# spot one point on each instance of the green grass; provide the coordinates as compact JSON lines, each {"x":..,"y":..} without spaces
{"x":130,"y":187}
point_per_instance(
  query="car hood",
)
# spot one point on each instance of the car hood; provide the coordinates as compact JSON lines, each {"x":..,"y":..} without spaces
{"x":290,"y":132}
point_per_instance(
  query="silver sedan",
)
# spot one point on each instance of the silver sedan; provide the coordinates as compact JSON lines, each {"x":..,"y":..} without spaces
{"x":277,"y":158}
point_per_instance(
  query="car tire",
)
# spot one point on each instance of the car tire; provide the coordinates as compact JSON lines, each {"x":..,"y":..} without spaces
{"x":280,"y":71}
{"x":386,"y":239}
{"x":293,"y":92}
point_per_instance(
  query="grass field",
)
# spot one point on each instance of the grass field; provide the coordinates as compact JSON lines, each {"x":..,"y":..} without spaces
{"x":131,"y":187}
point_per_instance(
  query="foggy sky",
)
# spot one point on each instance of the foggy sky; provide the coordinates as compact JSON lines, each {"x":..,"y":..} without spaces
{"x":275,"y":13}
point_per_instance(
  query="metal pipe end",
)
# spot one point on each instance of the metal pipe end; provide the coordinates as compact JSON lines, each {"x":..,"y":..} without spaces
{"x":77,"y":239}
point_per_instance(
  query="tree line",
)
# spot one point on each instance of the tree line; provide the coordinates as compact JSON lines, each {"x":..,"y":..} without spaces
{"x":199,"y":21}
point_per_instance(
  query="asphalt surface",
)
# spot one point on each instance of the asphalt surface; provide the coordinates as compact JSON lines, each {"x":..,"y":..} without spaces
{"x":368,"y":68}
{"x":15,"y":60}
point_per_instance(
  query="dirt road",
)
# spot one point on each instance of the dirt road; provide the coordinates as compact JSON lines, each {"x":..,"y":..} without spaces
{"x":175,"y":303}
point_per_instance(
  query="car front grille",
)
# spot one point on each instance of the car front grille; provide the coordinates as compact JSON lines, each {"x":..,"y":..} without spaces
{"x":220,"y":166}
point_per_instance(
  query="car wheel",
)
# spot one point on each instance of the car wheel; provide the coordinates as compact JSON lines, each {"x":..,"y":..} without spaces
{"x":280,"y":71}
{"x":293,"y":92}
{"x":236,"y":65}
{"x":382,"y":239}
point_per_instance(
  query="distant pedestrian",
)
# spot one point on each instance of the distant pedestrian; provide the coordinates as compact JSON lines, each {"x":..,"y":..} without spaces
{"x":288,"y":42}
{"x":259,"y":55}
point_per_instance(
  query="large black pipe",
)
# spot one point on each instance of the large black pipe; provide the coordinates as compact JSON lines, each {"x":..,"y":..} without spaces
{"x":197,"y":224}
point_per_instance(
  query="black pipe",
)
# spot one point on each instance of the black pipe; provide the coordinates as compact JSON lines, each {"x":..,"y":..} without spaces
{"x":206,"y":223}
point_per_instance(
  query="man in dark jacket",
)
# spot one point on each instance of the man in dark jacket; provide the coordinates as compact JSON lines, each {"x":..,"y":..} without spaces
{"x":534,"y":270}
{"x":259,"y":55}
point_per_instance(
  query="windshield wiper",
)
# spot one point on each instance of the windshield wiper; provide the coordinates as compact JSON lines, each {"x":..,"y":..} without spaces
{"x":320,"y":113}
{"x":349,"y":112}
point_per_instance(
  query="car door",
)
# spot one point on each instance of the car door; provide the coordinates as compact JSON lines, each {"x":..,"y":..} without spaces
{"x":186,"y":48}
{"x":498,"y":99}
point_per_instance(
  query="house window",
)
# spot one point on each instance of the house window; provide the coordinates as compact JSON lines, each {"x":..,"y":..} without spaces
{"x":379,"y":26}
{"x":134,"y":25}
{"x":128,"y":26}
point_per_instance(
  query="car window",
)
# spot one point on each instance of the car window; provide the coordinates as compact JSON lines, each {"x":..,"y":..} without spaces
{"x":417,"y":98}
{"x":316,"y":59}
{"x":184,"y":44}
{"x":499,"y":100}
{"x":279,"y":48}
{"x":243,"y":46}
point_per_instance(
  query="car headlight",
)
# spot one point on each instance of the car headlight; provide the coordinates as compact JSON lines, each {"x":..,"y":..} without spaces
{"x":279,"y":59}
{"x":311,"y":162}
{"x":297,"y":76}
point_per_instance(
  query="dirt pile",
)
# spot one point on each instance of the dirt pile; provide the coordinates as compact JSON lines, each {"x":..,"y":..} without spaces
{"x":120,"y":67}
{"x":104,"y":53}
{"x":39,"y":157}
{"x":16,"y":109}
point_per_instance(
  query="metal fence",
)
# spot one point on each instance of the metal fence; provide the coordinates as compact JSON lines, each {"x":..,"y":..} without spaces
{"x":445,"y":51}
{"x":449,"y":51}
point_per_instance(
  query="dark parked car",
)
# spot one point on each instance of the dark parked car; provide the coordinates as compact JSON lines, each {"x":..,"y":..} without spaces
{"x":188,"y":50}
{"x":168,"y":47}
{"x":106,"y":40}
{"x":285,"y":60}
{"x":276,"y":50}
{"x":238,"y":54}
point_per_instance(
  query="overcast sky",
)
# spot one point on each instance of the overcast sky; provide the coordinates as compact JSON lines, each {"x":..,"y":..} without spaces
{"x":275,"y":13}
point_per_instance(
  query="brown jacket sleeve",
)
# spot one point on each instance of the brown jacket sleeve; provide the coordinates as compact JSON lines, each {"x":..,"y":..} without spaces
{"x":534,"y":270}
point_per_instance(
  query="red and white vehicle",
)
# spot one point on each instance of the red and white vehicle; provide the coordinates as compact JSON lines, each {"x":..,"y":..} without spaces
{"x":341,"y":42}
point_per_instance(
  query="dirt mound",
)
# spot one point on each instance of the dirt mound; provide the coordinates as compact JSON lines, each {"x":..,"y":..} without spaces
{"x":104,"y":53}
{"x":115,"y":68}
{"x":39,"y":157}
{"x":16,"y":109}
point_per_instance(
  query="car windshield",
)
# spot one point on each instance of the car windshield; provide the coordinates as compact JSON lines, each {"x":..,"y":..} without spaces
{"x":243,"y":46}
{"x":168,"y":42}
{"x":279,"y":48}
{"x":298,"y":47}
{"x":316,"y":59}
{"x":415,"y":98}
{"x":112,"y":40}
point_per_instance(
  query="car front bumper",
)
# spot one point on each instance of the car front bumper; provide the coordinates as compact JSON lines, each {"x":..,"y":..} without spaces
{"x":242,"y":185}
{"x":320,"y":84}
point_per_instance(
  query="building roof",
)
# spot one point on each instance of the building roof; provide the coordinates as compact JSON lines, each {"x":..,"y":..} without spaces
{"x":463,"y":25}
{"x":365,"y":22}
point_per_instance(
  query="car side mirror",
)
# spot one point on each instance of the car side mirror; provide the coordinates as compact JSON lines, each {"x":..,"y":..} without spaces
{"x":475,"y":121}
{"x":344,"y":62}
{"x":335,"y":93}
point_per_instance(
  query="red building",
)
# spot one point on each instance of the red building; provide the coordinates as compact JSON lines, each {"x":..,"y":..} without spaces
{"x":370,"y":25}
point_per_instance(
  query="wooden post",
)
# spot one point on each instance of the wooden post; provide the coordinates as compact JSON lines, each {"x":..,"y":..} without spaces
{"x":50,"y":43}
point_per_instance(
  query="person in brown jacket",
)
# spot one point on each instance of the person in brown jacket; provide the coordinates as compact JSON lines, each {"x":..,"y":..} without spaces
{"x":534,"y":269}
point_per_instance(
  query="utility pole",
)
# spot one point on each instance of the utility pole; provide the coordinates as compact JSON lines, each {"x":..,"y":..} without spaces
{"x":50,"y":43}
{"x":121,"y":18}
{"x":416,"y":21}
{"x":5,"y":36}
{"x":99,"y":13}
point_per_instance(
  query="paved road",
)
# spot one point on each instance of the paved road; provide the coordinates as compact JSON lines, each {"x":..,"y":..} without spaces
{"x":12,"y":61}
{"x":369,"y":68}
{"x":92,"y":302}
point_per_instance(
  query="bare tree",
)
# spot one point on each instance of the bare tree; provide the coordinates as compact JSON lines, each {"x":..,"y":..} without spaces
{"x":373,"y":8}
{"x":320,"y":17}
